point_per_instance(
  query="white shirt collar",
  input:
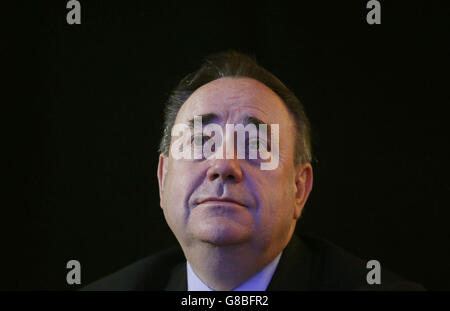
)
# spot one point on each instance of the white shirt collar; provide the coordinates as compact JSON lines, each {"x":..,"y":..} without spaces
{"x":258,"y":282}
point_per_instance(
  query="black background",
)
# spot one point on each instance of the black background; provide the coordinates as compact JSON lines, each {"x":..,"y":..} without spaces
{"x":84,"y":105}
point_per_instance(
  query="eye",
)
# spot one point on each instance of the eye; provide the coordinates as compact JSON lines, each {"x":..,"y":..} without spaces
{"x":253,"y":143}
{"x":199,"y":140}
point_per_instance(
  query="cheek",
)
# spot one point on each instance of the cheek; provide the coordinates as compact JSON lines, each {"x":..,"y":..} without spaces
{"x":180,"y":180}
{"x":277,"y":200}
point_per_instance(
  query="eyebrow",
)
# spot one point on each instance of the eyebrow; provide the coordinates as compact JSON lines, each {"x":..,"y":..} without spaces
{"x":206,"y":119}
{"x":253,"y":120}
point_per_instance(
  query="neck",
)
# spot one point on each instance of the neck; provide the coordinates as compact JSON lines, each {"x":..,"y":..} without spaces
{"x":226,"y":267}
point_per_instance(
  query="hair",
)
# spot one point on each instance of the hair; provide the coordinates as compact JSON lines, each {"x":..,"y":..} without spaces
{"x":235,"y":64}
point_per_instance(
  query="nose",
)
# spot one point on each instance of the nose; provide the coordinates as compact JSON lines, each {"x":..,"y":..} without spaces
{"x":226,"y":169}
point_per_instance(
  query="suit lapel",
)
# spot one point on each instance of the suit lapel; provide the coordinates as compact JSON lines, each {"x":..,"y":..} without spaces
{"x":294,"y":269}
{"x":178,"y":278}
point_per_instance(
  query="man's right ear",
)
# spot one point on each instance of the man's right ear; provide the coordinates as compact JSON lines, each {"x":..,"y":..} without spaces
{"x":162,"y":171}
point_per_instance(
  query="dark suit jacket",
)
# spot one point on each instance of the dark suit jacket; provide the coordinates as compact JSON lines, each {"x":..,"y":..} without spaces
{"x":307,"y":263}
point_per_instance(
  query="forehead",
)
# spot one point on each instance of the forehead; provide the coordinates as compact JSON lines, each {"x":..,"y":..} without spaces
{"x":233,"y":99}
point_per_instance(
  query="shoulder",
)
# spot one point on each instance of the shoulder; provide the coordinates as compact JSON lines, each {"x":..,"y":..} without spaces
{"x":335,"y":268}
{"x":149,"y":273}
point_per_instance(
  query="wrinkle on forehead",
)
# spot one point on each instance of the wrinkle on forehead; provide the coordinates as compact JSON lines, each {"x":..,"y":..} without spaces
{"x":231,"y":98}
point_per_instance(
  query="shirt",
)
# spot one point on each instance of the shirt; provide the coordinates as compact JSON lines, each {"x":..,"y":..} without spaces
{"x":258,"y":282}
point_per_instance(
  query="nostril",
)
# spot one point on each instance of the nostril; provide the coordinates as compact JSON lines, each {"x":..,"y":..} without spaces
{"x":214,"y":176}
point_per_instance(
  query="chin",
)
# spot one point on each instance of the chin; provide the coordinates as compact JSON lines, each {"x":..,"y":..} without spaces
{"x":222,"y":232}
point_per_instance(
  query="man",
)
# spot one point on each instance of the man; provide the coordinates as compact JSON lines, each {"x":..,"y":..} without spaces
{"x":233,"y":219}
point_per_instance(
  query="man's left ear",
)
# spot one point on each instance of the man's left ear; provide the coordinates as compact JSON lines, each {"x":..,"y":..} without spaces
{"x":303,"y":184}
{"x":161,"y":174}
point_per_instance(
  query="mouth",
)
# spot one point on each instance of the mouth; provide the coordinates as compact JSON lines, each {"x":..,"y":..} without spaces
{"x":220,"y":201}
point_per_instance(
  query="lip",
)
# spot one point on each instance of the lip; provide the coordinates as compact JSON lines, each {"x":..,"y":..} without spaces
{"x":228,"y":201}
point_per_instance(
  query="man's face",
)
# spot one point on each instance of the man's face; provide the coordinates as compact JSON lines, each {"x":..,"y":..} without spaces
{"x":232,"y":201}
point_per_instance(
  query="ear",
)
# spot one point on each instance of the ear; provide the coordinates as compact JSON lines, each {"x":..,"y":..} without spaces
{"x":303,"y":186}
{"x":162,"y":171}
